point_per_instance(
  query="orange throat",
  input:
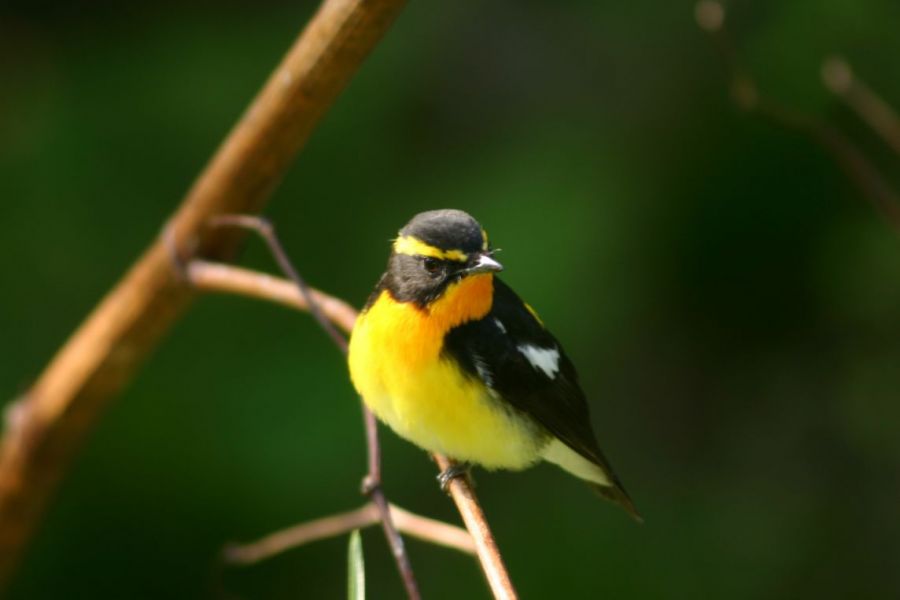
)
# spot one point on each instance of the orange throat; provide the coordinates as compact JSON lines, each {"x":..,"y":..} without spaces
{"x":467,"y":300}
{"x":417,"y":334}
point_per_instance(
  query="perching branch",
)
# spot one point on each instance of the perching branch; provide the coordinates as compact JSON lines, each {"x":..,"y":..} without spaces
{"x":710,"y":16}
{"x":423,"y":528}
{"x":296,"y":294}
{"x":476,"y":523}
{"x":49,"y":424}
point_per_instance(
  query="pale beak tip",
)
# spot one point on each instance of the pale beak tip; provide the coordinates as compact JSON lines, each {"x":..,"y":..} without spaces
{"x":486,"y":264}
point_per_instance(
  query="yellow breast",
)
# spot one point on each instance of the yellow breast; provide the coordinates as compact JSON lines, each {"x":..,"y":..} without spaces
{"x":396,"y":366}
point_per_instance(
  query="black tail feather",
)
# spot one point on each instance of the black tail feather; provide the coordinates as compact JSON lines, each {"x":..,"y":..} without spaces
{"x":615,"y":493}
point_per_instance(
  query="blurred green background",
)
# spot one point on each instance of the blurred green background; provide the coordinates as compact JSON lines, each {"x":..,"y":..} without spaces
{"x":731,"y":300}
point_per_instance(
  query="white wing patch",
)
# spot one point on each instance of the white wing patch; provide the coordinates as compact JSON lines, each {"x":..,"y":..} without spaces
{"x":545,"y":359}
{"x":486,"y":376}
{"x":500,"y":325}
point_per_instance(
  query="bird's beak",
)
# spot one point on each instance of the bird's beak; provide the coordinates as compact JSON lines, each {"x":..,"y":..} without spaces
{"x":484,"y":264}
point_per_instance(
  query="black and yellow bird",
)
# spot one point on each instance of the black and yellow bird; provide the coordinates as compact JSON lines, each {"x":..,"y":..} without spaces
{"x":454,"y":361}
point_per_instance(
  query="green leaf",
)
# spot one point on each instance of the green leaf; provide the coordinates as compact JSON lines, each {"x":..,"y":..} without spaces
{"x":356,"y":568}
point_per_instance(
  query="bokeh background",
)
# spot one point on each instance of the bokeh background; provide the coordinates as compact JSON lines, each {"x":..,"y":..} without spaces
{"x":731,"y":299}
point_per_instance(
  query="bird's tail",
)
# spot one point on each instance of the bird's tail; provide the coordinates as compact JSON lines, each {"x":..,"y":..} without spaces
{"x":615,"y":493}
{"x":595,"y":470}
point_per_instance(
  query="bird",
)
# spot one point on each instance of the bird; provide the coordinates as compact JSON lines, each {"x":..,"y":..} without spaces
{"x":451,"y":359}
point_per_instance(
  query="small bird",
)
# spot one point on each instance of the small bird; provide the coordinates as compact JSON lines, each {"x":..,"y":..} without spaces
{"x":454,"y":361}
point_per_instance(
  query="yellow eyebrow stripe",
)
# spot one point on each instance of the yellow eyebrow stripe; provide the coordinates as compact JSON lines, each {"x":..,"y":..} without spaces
{"x":413,"y":246}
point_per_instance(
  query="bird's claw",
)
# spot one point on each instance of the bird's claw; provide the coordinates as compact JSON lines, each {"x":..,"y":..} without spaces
{"x":369,"y":485}
{"x":452,"y":472}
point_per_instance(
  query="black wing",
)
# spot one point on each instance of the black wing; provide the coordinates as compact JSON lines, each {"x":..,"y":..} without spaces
{"x":492,"y":346}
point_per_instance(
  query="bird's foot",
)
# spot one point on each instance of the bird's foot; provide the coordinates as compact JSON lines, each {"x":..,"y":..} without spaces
{"x":455,"y":470}
{"x":369,"y":485}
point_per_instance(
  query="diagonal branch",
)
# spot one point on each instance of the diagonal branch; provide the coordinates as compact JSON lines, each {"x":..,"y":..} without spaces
{"x":212,"y":277}
{"x":55,"y":415}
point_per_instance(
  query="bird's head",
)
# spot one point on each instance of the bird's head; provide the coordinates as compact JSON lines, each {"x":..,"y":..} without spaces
{"x":437,"y":251}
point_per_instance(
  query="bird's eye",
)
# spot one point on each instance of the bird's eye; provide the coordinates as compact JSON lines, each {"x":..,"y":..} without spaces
{"x":432,"y":265}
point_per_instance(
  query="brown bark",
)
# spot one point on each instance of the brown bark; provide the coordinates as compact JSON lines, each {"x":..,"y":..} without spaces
{"x":46,"y":427}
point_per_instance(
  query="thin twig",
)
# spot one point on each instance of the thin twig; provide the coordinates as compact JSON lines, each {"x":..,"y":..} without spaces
{"x":839,"y":78}
{"x":711,"y":17}
{"x":299,"y":535}
{"x":264,"y":228}
{"x":372,"y":481}
{"x":856,"y":167}
{"x":102,"y":355}
{"x":222,"y":278}
{"x":423,"y":528}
